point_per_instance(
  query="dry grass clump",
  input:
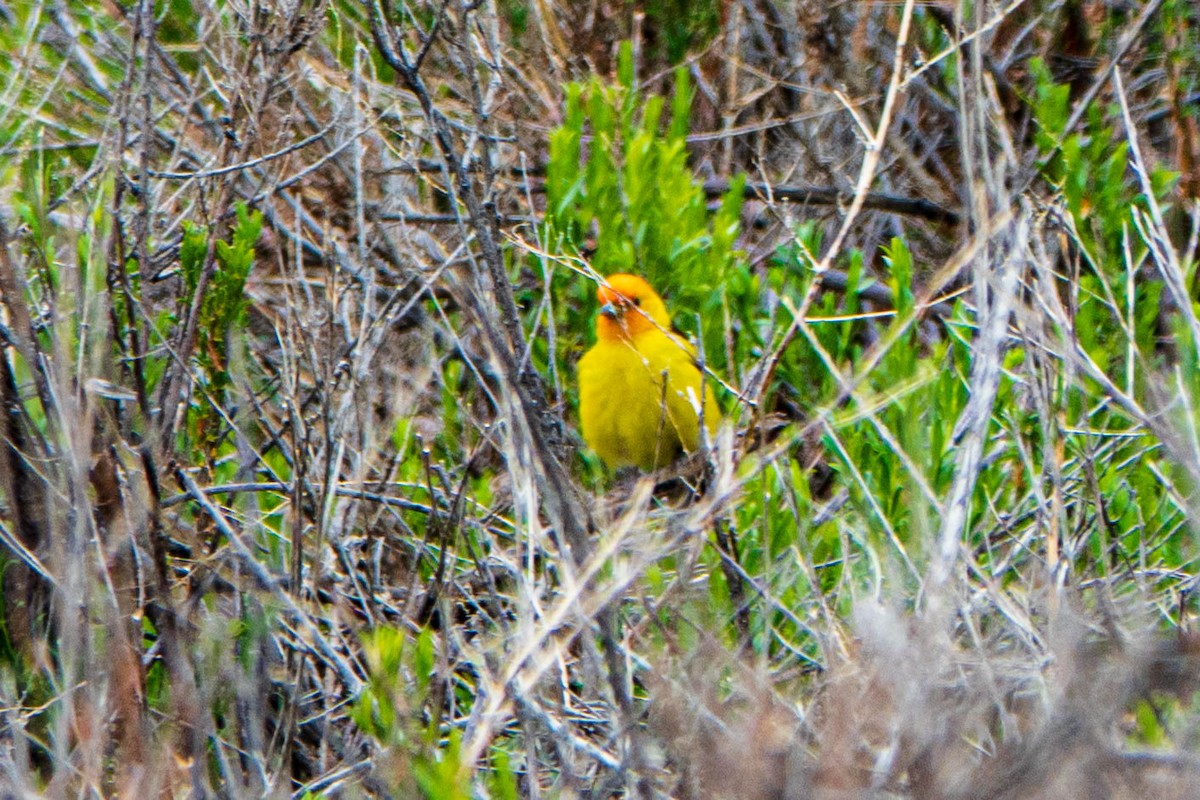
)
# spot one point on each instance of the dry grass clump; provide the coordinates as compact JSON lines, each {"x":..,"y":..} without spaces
{"x":908,"y":713}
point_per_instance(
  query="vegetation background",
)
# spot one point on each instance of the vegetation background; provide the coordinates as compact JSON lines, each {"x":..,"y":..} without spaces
{"x":292,"y":501}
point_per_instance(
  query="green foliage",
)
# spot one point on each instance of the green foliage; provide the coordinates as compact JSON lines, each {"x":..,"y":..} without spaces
{"x":1051,"y":104}
{"x":180,"y":26}
{"x":64,"y":266}
{"x":40,"y":183}
{"x":391,"y":708}
{"x":22,"y":31}
{"x":1175,"y":42}
{"x":381,"y":710}
{"x":889,"y":443}
{"x":502,"y":782}
{"x":1091,"y":169}
{"x":900,"y":268}
{"x":516,"y":13}
{"x":346,"y":23}
{"x":224,"y":303}
{"x":633,"y":191}
{"x":221,"y":313}
{"x":1150,"y":728}
{"x":446,"y":777}
{"x":684,"y":25}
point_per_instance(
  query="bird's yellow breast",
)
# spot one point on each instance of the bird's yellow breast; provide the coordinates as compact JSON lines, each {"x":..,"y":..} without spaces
{"x":640,"y":400}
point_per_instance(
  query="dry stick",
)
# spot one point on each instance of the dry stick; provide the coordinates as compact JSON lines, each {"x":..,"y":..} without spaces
{"x":1159,"y":242}
{"x":973,"y":422}
{"x":21,"y":448}
{"x":1166,"y":258}
{"x":336,"y":779}
{"x":766,"y":369}
{"x":117,"y":276}
{"x":970,"y":431}
{"x":806,"y":195}
{"x":826,"y":196}
{"x":530,"y":416}
{"x":175,"y":381}
{"x":562,"y":506}
{"x":266,"y":580}
{"x":974,"y":419}
{"x":870,"y":361}
{"x":530,"y":707}
{"x":195,"y":727}
{"x":734,"y":578}
{"x":553,"y":630}
{"x":944,"y":18}
{"x":288,"y":488}
{"x":1131,"y":35}
{"x":22,"y":334}
{"x":254,"y":162}
{"x":760,"y":380}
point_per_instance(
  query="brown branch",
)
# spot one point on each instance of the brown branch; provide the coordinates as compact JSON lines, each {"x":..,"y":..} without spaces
{"x":825,"y":196}
{"x":562,"y":505}
{"x":766,"y":192}
{"x":265,"y":580}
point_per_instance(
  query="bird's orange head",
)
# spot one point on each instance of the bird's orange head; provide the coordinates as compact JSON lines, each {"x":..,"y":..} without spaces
{"x":628,"y":307}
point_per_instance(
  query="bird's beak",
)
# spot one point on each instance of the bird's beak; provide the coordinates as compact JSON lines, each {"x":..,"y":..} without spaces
{"x":610,"y":310}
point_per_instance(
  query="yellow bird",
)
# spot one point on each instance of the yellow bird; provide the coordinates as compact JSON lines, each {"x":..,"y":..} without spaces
{"x":640,"y":399}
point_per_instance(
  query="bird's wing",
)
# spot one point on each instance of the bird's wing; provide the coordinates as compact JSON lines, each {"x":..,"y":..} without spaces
{"x":685,"y":344}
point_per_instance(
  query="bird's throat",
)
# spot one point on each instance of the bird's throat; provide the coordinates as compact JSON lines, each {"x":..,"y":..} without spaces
{"x":612,"y":328}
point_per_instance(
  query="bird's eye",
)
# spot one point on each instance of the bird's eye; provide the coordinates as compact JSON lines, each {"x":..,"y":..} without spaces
{"x":637,"y":301}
